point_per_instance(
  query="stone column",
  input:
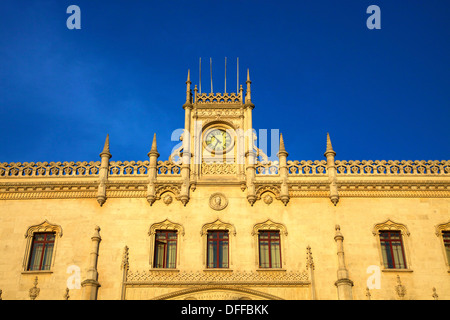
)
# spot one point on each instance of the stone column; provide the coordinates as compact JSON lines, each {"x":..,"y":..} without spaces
{"x":283,"y":171}
{"x":331,"y":170}
{"x":186,"y":156}
{"x":103,"y":174}
{"x":152,"y":172}
{"x":343,"y":283}
{"x":250,"y":154}
{"x":90,"y":285}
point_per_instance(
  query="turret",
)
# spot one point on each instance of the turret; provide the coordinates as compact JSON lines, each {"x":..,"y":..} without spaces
{"x":152,"y":172}
{"x":105,"y":155}
{"x":331,"y":170}
{"x":283,"y":171}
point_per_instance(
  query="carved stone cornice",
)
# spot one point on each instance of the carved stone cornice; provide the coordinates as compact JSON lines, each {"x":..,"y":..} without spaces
{"x":241,"y":278}
{"x":135,"y":187}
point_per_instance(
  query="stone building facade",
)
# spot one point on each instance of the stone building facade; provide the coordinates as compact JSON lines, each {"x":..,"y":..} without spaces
{"x":218,"y":220}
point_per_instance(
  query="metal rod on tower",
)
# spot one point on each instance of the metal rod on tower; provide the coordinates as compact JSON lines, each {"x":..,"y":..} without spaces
{"x":237,"y":83}
{"x":225,"y":75}
{"x":200,"y":75}
{"x":210,"y":67}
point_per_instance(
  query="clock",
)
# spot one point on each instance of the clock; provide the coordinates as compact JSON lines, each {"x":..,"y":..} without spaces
{"x":218,"y":140}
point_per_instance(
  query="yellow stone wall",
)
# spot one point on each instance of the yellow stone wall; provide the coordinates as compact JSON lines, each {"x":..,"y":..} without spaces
{"x":308,"y":221}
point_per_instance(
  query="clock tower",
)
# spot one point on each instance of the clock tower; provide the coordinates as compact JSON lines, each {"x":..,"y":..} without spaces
{"x":218,"y":139}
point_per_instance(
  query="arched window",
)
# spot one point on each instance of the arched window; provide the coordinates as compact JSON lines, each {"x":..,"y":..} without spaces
{"x":443,"y":232}
{"x":164,"y":248}
{"x":41,"y":246}
{"x":268,"y":237}
{"x":216,"y":241}
{"x":392,"y":243}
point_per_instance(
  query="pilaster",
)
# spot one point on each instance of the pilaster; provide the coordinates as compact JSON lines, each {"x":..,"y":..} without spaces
{"x":344,"y":284}
{"x":90,"y":285}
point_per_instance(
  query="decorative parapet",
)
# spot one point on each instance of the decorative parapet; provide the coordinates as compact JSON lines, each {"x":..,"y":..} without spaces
{"x":206,"y":98}
{"x":267,"y":168}
{"x":170,"y":168}
{"x":393,"y":167}
{"x":84,"y":169}
{"x":252,"y":278}
{"x":128,"y":168}
{"x":307,"y":167}
{"x":49,"y":169}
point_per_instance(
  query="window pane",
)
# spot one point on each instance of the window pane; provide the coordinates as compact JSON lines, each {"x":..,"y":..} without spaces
{"x":392,"y":249}
{"x":446,"y":237}
{"x":217,"y":250}
{"x":212,"y":255}
{"x":159,"y":254}
{"x":47,"y":259}
{"x":36,"y":254}
{"x":398,"y":255}
{"x":387,"y":255}
{"x":171,"y":254}
{"x":264,"y":254}
{"x":223,"y":257}
{"x":275,"y":255}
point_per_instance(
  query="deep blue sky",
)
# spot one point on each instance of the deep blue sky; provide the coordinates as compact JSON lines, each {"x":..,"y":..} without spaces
{"x":315,"y":68}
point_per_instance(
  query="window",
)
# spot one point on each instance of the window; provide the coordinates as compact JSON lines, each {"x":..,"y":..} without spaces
{"x":165,"y":249}
{"x":269,"y":249}
{"x":392,"y":250}
{"x":446,"y":238}
{"x":41,"y":251}
{"x":217,"y":252}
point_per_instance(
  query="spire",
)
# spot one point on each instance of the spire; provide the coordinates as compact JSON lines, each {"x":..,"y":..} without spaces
{"x":329,"y":146}
{"x":154,"y":150}
{"x":188,"y":88}
{"x":106,"y":151}
{"x":248,"y":96}
{"x":282,"y":150}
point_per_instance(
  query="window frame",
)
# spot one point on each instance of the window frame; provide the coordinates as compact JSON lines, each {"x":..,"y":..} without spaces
{"x":270,"y":239}
{"x":44,"y":227}
{"x":165,"y":225}
{"x":442,"y":229}
{"x":446,"y":241}
{"x":270,"y":225}
{"x":166,"y":249}
{"x":388,"y":242}
{"x":216,"y":242}
{"x":390,"y":225}
{"x":45,"y":243}
{"x":219,"y":226}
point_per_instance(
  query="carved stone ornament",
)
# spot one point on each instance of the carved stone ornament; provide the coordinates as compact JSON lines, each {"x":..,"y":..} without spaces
{"x":167,"y":199}
{"x":34,"y":291}
{"x":268,"y":199}
{"x":400,"y":289}
{"x":218,"y":201}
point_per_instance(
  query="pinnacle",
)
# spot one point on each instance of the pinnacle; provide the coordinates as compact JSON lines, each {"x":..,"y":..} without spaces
{"x":154,"y":149}
{"x":282,"y":150}
{"x":106,"y":148}
{"x":329,"y":146}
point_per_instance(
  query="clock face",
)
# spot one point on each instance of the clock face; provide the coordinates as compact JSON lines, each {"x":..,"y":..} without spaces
{"x":218,"y":140}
